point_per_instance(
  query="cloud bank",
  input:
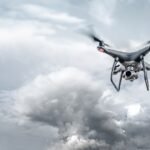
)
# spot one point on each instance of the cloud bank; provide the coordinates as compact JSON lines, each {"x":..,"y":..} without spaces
{"x":55,"y":88}
{"x":70,"y":100}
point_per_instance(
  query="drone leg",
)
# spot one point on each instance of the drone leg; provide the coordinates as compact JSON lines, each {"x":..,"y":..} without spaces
{"x":111,"y":78}
{"x":120,"y":79}
{"x":145,"y":74}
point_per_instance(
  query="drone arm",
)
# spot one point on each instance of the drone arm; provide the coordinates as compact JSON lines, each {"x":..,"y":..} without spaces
{"x":110,"y":52}
{"x":146,"y":51}
{"x":143,"y":51}
{"x":111,"y":78}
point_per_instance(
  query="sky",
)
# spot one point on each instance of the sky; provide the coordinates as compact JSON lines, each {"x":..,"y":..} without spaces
{"x":55,"y":89}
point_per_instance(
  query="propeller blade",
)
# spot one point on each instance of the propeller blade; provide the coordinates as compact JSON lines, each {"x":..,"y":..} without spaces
{"x":95,"y":38}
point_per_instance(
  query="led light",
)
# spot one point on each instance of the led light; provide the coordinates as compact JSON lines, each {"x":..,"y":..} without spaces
{"x":101,"y":49}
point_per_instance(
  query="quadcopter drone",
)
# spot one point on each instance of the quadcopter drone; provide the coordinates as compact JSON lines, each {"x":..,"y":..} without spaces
{"x":125,"y":63}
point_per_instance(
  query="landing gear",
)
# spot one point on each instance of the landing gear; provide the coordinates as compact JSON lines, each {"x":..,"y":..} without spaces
{"x":129,"y":72}
{"x":145,"y":73}
{"x":112,"y":72}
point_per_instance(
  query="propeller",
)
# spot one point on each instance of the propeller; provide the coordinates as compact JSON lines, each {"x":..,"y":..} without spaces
{"x":96,"y":39}
{"x":90,"y":33}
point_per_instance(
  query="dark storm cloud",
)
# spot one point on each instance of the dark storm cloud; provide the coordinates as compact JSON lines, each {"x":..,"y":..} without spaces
{"x":73,"y":105}
{"x":84,"y":117}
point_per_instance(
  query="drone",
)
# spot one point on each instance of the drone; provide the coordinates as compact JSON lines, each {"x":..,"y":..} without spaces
{"x":128,"y":64}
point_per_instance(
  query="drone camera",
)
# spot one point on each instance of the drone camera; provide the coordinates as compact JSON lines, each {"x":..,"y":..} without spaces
{"x":128,"y":73}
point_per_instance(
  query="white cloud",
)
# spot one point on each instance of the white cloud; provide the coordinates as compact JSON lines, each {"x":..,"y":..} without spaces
{"x":102,"y":11}
{"x":39,"y":12}
{"x":133,"y":109}
{"x":135,"y":44}
{"x":77,"y":143}
{"x":34,"y":47}
{"x":54,"y":85}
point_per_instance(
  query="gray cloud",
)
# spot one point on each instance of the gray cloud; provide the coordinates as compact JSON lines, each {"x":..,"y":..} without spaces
{"x":71,"y":101}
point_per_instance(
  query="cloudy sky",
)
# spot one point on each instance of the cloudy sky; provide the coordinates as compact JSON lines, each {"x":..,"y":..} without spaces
{"x":55,"y":91}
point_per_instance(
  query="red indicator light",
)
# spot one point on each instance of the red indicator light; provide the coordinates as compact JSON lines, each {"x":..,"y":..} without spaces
{"x":101,"y":49}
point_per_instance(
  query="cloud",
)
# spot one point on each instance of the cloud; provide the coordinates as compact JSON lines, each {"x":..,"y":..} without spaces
{"x":42,"y":13}
{"x":103,"y":11}
{"x":36,"y":47}
{"x":70,"y":100}
{"x":61,"y":91}
{"x":77,"y":143}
